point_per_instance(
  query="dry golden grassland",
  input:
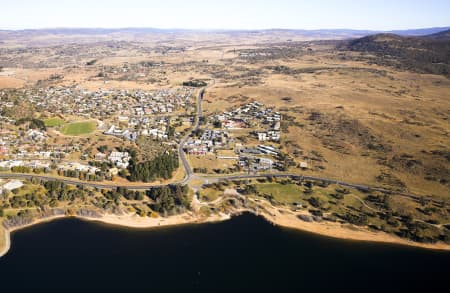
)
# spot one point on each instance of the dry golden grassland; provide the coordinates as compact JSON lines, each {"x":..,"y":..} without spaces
{"x":405,"y":114}
{"x":210,"y":162}
{"x":349,"y":120}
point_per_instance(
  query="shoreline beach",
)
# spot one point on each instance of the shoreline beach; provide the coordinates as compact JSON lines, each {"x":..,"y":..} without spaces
{"x":274,"y":216}
{"x":131,"y":221}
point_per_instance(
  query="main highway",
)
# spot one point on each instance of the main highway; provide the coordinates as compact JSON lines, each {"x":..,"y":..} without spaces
{"x":138,"y":186}
{"x":189,"y":172}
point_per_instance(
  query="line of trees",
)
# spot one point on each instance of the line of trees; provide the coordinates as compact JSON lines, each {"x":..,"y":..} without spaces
{"x":99,"y":176}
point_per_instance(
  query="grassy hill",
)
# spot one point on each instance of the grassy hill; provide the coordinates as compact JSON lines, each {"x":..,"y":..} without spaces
{"x":443,"y":35}
{"x":425,"y":54}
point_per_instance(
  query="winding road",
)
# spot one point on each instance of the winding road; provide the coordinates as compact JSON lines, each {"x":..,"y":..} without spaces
{"x":190,"y":174}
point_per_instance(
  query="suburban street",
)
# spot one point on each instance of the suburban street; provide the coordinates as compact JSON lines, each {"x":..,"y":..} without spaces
{"x":195,"y":126}
{"x":189,"y":172}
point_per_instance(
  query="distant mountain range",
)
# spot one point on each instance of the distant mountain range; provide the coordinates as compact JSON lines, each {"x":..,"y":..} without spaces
{"x":418,"y":32}
{"x":61,"y":36}
{"x":338,"y":32}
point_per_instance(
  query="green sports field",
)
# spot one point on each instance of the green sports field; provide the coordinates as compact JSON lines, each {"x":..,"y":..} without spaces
{"x":53,"y":122}
{"x":79,"y":128}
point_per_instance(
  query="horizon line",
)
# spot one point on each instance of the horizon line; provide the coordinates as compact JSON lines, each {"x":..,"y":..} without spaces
{"x":219,"y":29}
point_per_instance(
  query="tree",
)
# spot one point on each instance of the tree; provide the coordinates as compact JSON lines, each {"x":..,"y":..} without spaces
{"x":171,"y":131}
{"x":102,"y":148}
{"x":315,"y":202}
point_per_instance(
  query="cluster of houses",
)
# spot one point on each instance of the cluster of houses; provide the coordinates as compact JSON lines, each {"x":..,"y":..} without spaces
{"x":122,"y":113}
{"x":46,"y":164}
{"x":164,"y":101}
{"x":253,"y":164}
{"x":18,"y":140}
{"x":271,"y":135}
{"x":267,"y":123}
{"x":43,"y":160}
{"x":119,"y":159}
{"x":56,"y":152}
{"x":123,"y":133}
{"x":248,"y":53}
{"x":75,"y":166}
{"x":208,"y":142}
{"x":113,"y":107}
{"x":104,"y":103}
{"x":36,"y":135}
{"x":33,"y":164}
{"x":256,"y":159}
{"x":130,"y":114}
{"x":254,"y":115}
{"x":156,"y":128}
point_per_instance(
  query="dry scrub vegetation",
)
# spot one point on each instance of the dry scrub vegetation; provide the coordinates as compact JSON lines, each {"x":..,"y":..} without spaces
{"x":350,"y":118}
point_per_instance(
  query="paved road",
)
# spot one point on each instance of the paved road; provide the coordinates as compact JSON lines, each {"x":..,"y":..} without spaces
{"x":76,"y":182}
{"x":186,"y":166}
{"x":196,"y":125}
{"x":181,"y":153}
{"x":220,"y":178}
{"x":190,"y":173}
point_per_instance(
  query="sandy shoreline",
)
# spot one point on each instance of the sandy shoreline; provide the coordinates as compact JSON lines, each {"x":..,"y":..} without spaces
{"x":7,"y":246}
{"x":274,"y":216}
{"x":347,"y":232}
{"x":8,"y":232}
{"x":136,"y":222}
{"x":131,"y":221}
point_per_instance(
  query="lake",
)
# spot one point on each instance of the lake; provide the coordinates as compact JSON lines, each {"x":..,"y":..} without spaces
{"x":245,"y":254}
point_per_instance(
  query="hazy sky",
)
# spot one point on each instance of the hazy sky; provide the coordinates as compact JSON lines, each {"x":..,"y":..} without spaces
{"x":226,"y":14}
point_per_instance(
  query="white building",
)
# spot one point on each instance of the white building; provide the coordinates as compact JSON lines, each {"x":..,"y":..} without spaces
{"x":13,"y":184}
{"x":262,"y":136}
{"x":120,"y":159}
{"x":35,"y":135}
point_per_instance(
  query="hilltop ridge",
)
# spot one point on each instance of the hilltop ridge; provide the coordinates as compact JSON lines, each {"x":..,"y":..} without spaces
{"x":423,"y":54}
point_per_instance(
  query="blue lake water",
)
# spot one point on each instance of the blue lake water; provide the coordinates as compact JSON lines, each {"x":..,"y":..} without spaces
{"x":245,"y":254}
